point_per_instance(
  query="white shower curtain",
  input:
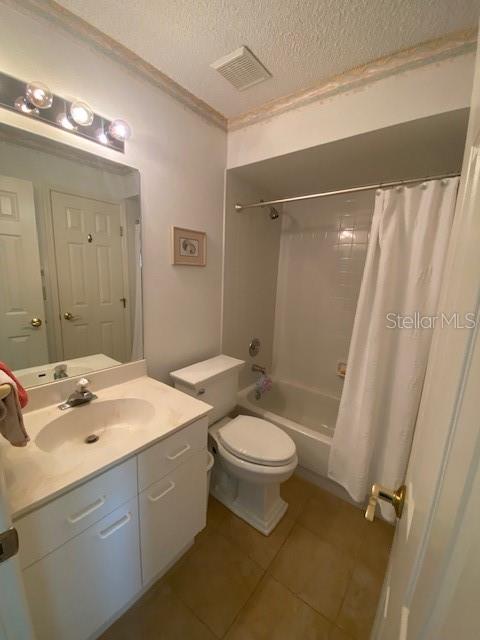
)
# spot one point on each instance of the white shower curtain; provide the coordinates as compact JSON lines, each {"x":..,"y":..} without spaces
{"x":386,"y":366}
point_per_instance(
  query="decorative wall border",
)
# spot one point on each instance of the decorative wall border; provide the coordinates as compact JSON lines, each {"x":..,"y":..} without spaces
{"x":61,"y":17}
{"x":449,"y":46}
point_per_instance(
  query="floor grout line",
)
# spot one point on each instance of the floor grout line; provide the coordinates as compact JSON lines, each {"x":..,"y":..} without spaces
{"x":245,"y":604}
{"x":298,"y":505}
{"x":265,"y":571}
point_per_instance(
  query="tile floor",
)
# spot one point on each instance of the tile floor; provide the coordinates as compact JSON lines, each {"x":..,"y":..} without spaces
{"x":316,"y":577}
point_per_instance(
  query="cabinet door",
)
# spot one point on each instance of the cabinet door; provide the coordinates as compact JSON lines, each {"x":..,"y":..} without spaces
{"x":172,"y":512}
{"x":76,"y":589}
{"x":168,"y":454}
{"x":50,"y":526}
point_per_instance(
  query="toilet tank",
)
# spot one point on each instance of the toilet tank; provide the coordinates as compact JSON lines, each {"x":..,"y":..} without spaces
{"x":215,"y":381}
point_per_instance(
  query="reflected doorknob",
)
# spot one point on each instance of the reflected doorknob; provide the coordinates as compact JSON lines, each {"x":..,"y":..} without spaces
{"x":36,"y":322}
{"x":68,"y":316}
{"x":395,"y":498}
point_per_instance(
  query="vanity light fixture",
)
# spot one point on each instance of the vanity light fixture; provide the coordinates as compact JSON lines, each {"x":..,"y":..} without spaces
{"x":102,"y":137}
{"x":119,"y":130}
{"x":36,"y":100}
{"x":39,"y":95}
{"x":64,"y":121}
{"x":22,"y":105}
{"x":81,"y":113}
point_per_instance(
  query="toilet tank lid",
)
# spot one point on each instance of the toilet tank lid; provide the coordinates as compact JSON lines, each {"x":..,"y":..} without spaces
{"x":205,"y":371}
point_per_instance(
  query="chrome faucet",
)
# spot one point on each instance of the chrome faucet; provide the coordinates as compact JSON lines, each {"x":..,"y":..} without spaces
{"x":258,"y":369}
{"x":81,"y":395}
{"x":60,"y":371}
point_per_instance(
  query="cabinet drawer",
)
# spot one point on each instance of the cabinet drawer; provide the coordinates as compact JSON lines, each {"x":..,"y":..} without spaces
{"x":50,"y":526}
{"x":76,"y":589}
{"x":172,"y":512}
{"x":168,"y":454}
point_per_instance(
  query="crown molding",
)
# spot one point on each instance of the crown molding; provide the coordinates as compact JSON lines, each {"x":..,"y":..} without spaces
{"x":61,"y":17}
{"x":449,"y":46}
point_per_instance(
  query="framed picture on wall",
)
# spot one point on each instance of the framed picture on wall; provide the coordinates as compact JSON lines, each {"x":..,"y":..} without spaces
{"x":189,"y":247}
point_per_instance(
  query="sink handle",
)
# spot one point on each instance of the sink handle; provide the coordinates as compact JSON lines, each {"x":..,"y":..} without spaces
{"x":80,"y":515}
{"x":179,"y":453}
{"x":82,"y":384}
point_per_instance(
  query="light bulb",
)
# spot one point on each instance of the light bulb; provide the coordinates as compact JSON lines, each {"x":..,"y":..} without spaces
{"x":39,"y":95}
{"x":120,"y":130}
{"x":22,"y":104}
{"x":101,"y":136}
{"x":81,"y":113}
{"x":65,"y":122}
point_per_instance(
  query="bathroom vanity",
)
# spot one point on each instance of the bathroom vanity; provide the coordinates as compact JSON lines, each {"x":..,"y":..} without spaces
{"x":99,"y":522}
{"x":106,"y":495}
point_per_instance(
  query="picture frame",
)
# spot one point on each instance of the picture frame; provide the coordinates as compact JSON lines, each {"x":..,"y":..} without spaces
{"x":189,"y":247}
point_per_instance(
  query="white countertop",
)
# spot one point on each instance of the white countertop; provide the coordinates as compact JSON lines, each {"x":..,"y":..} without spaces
{"x":35,"y":476}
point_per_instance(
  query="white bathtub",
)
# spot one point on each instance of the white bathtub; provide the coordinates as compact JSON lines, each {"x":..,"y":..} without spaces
{"x":307,"y":416}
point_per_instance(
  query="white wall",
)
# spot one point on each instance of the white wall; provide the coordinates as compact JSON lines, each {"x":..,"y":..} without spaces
{"x":322,"y":255}
{"x":181,"y":159}
{"x":417,"y":93}
{"x":252,"y":244}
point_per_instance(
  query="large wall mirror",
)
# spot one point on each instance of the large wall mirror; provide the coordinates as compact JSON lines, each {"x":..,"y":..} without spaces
{"x":70,"y":260}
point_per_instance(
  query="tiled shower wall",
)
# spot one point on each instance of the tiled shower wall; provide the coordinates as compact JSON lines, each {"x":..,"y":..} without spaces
{"x":323,"y":248}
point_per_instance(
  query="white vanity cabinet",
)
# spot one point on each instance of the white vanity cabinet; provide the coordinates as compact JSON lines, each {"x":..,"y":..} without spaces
{"x":73,"y":591}
{"x":89,"y":553}
{"x":170,"y":510}
{"x":172,"y":481}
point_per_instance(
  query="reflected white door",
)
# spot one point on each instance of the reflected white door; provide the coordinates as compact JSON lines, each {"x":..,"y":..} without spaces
{"x":432,"y":585}
{"x":21,"y":297}
{"x":15,"y":621}
{"x":88,"y":254}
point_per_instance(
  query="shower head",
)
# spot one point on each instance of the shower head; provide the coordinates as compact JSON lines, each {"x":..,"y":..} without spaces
{"x":273,"y":213}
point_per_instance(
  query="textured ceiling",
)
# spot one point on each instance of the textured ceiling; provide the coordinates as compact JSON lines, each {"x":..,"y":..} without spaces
{"x":301,"y":42}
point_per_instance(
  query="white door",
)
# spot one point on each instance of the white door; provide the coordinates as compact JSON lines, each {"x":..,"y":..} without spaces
{"x":88,"y":253}
{"x":14,"y":615}
{"x":21,"y":299}
{"x":433,"y":582}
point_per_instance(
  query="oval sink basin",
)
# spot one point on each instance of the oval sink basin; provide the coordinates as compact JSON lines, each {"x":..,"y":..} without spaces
{"x":100,"y":421}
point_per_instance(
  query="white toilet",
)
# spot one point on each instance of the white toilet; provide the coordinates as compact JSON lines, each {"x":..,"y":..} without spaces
{"x":252,"y":456}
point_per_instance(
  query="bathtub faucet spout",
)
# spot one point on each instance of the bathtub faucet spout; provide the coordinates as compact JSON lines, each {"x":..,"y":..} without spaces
{"x":258,"y":369}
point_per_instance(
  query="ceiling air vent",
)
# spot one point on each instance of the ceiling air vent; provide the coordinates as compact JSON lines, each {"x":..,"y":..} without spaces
{"x":241,"y":68}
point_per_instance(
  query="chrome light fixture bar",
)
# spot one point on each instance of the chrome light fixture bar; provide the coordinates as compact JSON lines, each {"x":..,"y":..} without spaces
{"x":35,"y":100}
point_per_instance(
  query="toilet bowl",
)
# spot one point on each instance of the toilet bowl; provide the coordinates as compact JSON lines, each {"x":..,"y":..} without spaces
{"x":252,"y":456}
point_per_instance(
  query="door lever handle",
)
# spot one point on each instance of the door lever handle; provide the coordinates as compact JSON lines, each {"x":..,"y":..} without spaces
{"x":395,"y":498}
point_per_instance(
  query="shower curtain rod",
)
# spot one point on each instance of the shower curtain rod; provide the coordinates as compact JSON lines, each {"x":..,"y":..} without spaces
{"x":310,"y":196}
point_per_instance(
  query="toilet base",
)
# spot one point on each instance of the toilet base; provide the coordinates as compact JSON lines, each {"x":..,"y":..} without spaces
{"x":259,"y":506}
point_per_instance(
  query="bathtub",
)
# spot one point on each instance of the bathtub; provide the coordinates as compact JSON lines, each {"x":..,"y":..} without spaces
{"x":308,"y":417}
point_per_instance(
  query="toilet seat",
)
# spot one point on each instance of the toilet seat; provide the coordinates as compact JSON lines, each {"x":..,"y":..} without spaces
{"x":257,"y":441}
